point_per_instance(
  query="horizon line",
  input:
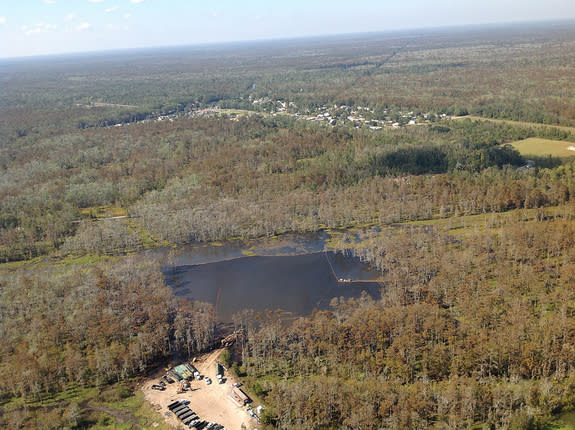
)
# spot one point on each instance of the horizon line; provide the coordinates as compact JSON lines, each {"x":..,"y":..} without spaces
{"x":293,"y":38}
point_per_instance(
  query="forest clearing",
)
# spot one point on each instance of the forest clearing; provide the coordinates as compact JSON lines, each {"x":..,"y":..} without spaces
{"x":534,"y":146}
{"x":211,"y":402}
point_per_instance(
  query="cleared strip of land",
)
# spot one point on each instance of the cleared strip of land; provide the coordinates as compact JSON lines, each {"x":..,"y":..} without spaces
{"x":98,"y":104}
{"x":543,"y":147}
{"x":210,"y":402}
{"x":521,"y":123}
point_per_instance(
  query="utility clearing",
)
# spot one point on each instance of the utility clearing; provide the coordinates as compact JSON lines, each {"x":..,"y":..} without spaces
{"x":211,"y":402}
{"x":520,"y":123}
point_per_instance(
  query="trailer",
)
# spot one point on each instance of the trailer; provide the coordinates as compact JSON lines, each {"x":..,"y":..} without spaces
{"x":176,"y":406}
{"x":173,"y":404}
{"x":191,"y":367}
{"x":179,"y":409}
{"x":188,"y":420}
{"x":193,"y":423}
{"x":183,"y":371}
{"x":183,"y":411}
{"x":188,"y":413}
{"x":238,"y":396}
{"x":174,"y":375}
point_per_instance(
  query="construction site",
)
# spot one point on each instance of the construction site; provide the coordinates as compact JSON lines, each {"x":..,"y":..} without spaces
{"x":202,"y":395}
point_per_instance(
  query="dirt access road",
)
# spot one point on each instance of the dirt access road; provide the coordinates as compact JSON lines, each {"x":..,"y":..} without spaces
{"x":210,"y":402}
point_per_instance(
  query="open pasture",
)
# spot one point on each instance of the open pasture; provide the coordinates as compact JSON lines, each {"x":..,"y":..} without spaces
{"x":535,"y":146}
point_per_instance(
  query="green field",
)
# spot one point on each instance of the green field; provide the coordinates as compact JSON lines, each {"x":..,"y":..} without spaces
{"x":543,"y":147}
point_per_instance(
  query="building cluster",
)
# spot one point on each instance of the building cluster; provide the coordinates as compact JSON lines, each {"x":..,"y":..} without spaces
{"x":332,"y":115}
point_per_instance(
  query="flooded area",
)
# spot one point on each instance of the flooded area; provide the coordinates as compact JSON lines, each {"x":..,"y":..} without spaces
{"x":293,"y":274}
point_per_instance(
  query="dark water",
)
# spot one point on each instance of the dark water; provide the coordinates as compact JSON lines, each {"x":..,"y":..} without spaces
{"x":289,"y":244}
{"x":296,"y":284}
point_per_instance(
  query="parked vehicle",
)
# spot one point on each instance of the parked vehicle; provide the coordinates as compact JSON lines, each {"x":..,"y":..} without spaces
{"x":186,"y":414}
{"x":173,"y":405}
{"x":188,"y":420}
{"x":179,"y":409}
{"x":194,"y":422}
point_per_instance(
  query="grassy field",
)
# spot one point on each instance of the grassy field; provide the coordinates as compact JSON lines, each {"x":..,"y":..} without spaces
{"x":543,"y":147}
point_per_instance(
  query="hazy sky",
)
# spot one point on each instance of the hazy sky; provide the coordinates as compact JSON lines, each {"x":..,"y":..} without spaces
{"x":33,"y":27}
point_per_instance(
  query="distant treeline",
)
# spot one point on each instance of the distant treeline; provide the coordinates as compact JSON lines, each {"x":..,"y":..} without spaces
{"x":438,"y":72}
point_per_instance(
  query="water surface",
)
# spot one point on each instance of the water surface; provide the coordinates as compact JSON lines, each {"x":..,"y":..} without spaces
{"x":293,"y":275}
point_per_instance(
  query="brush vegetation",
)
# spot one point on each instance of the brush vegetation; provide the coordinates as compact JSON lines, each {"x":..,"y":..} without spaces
{"x":413,"y":143}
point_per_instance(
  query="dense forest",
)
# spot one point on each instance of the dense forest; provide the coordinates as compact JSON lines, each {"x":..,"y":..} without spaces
{"x":104,"y":156}
{"x":473,"y":329}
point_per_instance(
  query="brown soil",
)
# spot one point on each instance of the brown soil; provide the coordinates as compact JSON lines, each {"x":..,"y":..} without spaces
{"x":210,"y":402}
